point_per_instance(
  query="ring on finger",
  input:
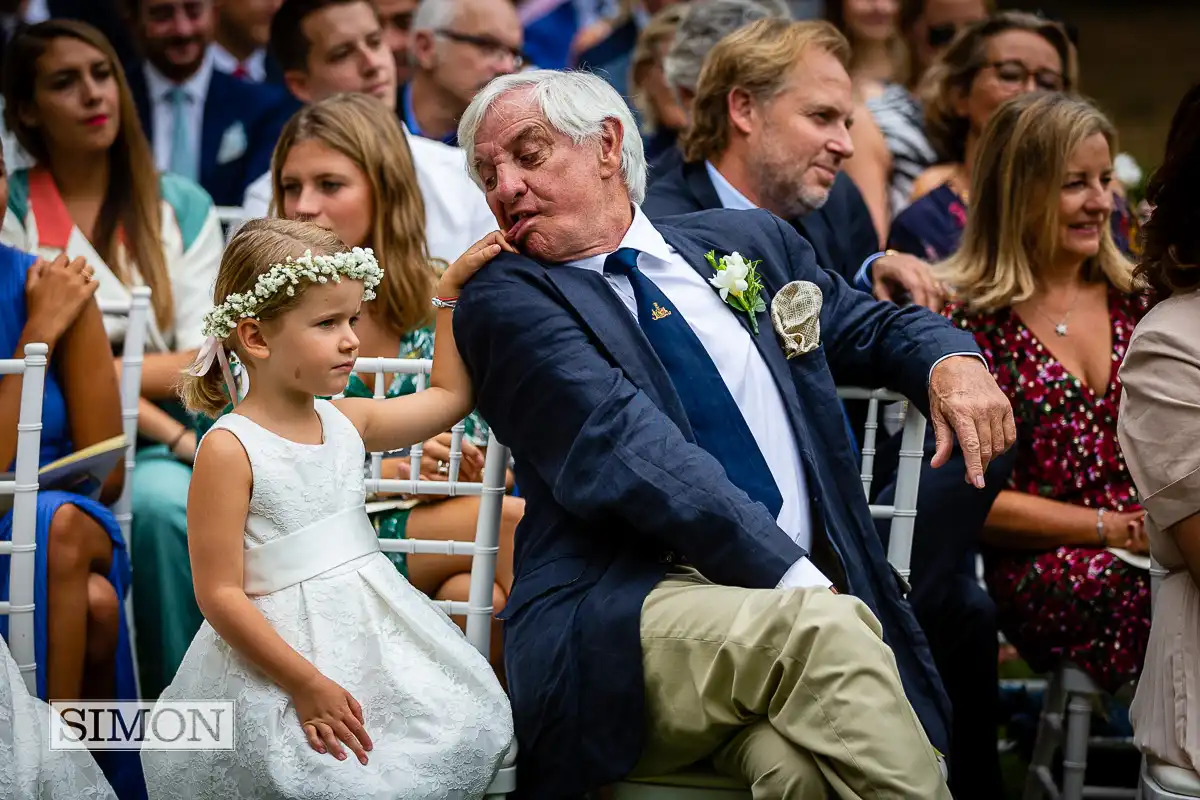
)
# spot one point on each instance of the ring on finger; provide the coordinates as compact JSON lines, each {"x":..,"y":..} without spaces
{"x":443,"y":468}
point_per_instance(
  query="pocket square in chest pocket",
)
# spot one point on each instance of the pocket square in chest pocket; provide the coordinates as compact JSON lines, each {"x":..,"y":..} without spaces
{"x":796,"y":316}
{"x":233,"y":144}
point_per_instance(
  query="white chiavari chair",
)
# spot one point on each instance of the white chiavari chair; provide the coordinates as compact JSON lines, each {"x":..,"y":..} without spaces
{"x":24,"y":489}
{"x":478,"y":609}
{"x":137,"y":318}
{"x":137,"y":314}
{"x":704,"y":783}
{"x":231,"y":218}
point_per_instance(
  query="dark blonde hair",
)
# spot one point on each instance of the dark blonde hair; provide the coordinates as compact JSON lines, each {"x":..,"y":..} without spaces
{"x":254,"y":249}
{"x":131,"y":208}
{"x":952,"y":75}
{"x":366,"y":132}
{"x":758,"y":59}
{"x":1012,"y":227}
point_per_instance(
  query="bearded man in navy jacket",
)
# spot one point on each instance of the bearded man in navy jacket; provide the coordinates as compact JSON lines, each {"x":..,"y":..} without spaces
{"x":697,"y":575}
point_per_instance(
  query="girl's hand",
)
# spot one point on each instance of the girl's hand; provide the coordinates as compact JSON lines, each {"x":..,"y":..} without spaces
{"x":471,"y":261}
{"x":330,"y":716}
{"x":55,"y":292}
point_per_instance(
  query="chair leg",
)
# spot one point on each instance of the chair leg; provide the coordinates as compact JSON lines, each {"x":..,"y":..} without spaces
{"x":1049,"y":735}
{"x":1075,"y":750}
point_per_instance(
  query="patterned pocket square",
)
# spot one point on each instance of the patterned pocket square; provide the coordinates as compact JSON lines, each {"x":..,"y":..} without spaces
{"x":796,"y":315}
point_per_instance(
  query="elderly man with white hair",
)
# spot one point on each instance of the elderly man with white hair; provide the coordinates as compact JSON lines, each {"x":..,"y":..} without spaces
{"x":456,"y":47}
{"x":691,"y":494}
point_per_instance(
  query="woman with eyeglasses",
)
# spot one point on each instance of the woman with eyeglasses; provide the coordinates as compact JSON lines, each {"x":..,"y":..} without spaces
{"x":991,"y":61}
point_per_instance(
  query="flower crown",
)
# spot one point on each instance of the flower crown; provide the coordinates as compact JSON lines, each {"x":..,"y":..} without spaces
{"x":358,"y":264}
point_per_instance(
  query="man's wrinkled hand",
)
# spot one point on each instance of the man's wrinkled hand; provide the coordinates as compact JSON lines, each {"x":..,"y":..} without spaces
{"x":898,"y":273}
{"x":964,"y":401}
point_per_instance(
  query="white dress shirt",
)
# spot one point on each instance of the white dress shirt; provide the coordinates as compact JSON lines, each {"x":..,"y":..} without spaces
{"x":456,"y":213}
{"x":741,"y":366}
{"x":163,"y":118}
{"x":227,"y":62}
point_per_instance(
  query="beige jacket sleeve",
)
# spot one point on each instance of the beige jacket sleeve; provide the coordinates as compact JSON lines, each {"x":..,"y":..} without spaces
{"x":1159,"y":425}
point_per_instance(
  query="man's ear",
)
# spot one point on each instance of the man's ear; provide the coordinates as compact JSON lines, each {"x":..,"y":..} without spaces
{"x":296,"y":81}
{"x":422,"y":49}
{"x":251,"y":338}
{"x":611,"y":137}
{"x":743,"y":111}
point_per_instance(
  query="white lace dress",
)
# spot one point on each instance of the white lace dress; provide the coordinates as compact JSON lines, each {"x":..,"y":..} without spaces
{"x":28,"y":767}
{"x":439,"y":721}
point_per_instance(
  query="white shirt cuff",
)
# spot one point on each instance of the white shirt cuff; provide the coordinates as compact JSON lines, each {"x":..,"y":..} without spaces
{"x":804,"y":575}
{"x":953,"y":355}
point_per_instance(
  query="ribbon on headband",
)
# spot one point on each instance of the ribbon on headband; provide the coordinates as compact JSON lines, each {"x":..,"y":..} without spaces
{"x":211,"y":351}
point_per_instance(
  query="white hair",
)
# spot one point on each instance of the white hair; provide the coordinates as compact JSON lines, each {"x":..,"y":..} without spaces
{"x":705,"y":23}
{"x":432,"y":15}
{"x":576,"y":104}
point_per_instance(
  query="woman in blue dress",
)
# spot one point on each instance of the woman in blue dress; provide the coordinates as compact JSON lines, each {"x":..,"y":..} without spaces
{"x":82,"y":566}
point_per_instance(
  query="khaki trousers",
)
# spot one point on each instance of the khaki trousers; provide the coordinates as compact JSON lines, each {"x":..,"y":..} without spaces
{"x":792,"y":691}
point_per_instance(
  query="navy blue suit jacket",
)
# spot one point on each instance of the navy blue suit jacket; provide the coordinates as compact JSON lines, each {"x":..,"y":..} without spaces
{"x":841,"y":231}
{"x":616,"y":490}
{"x":262,"y":109}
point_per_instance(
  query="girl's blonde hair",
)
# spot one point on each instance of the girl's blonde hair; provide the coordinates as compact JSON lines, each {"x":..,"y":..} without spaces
{"x":1012,"y":227}
{"x":130,"y":211}
{"x":366,"y":132}
{"x":257,"y":246}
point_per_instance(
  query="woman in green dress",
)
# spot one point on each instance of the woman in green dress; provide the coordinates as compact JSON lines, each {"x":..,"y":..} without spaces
{"x":344,"y":164}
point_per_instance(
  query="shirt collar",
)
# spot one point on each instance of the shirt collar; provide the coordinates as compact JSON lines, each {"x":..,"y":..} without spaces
{"x":641,"y":236}
{"x":410,"y":119}
{"x":196,"y":87}
{"x":255,"y":65}
{"x":729,"y":196}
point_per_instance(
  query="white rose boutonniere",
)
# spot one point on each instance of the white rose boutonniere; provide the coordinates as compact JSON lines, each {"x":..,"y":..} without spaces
{"x":737,"y":281}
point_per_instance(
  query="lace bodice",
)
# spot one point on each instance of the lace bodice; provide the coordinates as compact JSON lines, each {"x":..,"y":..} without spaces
{"x":296,"y":485}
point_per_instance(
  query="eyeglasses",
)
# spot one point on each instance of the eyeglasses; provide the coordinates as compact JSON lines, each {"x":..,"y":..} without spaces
{"x":489,"y":47}
{"x":1016,"y":73}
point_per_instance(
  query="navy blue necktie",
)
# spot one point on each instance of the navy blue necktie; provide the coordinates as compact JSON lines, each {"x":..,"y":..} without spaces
{"x":715,"y":418}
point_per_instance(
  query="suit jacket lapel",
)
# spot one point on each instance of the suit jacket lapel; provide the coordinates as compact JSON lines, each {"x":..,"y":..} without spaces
{"x":765,"y":341}
{"x":701,"y":185}
{"x":814,"y":227}
{"x":620,"y":336}
{"x":145,"y":103}
{"x":217,"y":117}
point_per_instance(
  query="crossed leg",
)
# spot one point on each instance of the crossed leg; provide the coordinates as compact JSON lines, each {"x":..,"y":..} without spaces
{"x":810,"y":664}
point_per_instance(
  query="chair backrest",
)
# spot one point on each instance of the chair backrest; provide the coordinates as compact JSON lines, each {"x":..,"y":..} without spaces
{"x":138,"y":313}
{"x":478,"y":608}
{"x":903,"y":510}
{"x":231,"y":218}
{"x":24,"y":488}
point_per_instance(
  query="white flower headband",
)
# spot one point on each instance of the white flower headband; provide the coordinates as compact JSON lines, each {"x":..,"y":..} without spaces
{"x":220,"y":322}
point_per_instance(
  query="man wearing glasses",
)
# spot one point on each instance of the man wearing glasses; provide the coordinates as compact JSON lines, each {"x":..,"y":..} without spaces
{"x":457,"y":47}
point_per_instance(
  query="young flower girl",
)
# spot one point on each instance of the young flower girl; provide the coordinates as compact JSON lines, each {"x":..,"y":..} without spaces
{"x":321,"y":644}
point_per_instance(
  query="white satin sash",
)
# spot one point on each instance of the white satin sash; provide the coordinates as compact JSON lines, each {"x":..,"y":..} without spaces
{"x":309,"y":552}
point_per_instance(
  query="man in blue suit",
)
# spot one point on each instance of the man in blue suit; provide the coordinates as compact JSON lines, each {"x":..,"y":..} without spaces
{"x":691,"y":493}
{"x":749,"y":145}
{"x":211,"y":127}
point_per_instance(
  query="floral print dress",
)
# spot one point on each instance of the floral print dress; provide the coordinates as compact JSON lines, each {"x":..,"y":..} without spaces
{"x":1083,"y":604}
{"x":415,"y":344}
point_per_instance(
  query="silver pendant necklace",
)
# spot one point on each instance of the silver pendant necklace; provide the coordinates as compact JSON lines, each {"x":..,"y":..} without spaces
{"x":1060,"y":325}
